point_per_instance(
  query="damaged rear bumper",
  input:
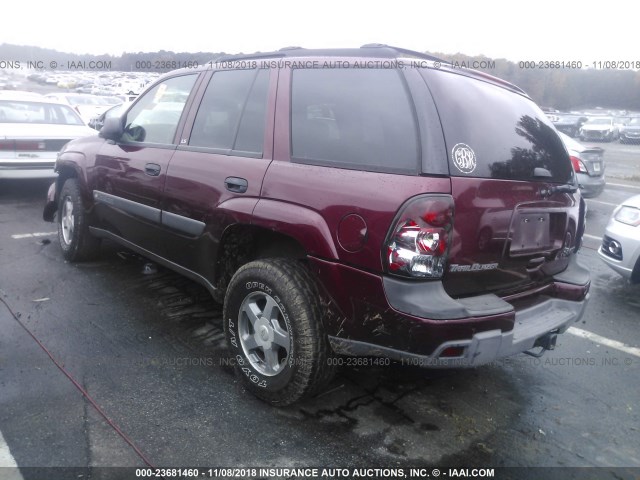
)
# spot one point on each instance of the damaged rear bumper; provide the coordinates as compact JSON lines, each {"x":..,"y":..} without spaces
{"x":425,"y":327}
{"x":551,"y":316}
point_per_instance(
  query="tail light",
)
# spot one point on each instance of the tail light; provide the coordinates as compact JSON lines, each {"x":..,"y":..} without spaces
{"x":578,"y":165}
{"x":582,"y":219}
{"x":417,"y":245}
{"x":22,"y":145}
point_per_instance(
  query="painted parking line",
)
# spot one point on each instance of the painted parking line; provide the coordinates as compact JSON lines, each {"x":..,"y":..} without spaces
{"x":623,"y":185}
{"x":8,"y":463}
{"x":594,"y":337}
{"x":32,"y":235}
{"x":593,"y":237}
{"x":603,"y":203}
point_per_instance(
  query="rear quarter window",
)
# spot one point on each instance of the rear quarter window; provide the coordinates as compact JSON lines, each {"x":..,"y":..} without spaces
{"x":492,"y":132}
{"x":357,"y":119}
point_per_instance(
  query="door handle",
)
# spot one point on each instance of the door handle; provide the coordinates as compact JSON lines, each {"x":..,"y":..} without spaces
{"x":236,"y":184}
{"x":152,"y":169}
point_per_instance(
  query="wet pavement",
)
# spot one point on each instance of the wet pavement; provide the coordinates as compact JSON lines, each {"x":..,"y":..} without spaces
{"x":147,"y":349}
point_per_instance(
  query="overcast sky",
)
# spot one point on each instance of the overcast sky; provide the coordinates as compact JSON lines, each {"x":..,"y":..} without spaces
{"x":538,"y":30}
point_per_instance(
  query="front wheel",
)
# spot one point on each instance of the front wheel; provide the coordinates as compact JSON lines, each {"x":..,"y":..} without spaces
{"x":76,"y":241}
{"x":274,"y":330}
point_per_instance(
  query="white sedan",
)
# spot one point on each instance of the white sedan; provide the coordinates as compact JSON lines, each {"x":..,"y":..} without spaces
{"x":33,"y":129}
{"x":620,"y":247}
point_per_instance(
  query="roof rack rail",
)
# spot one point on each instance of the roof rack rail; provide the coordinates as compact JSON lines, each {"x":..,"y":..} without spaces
{"x":248,"y":56}
{"x":426,"y":56}
{"x":405,"y":51}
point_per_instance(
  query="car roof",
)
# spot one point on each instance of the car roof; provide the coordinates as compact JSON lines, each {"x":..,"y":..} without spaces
{"x":34,"y":99}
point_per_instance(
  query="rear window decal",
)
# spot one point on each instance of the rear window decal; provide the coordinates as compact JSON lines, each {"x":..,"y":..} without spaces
{"x":464,"y":158}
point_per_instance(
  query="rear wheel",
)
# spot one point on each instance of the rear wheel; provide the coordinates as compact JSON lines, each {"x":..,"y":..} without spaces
{"x":76,"y":241}
{"x":274,"y":330}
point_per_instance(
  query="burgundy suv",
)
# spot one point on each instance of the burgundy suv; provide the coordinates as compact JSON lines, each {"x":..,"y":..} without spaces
{"x":370,"y":202}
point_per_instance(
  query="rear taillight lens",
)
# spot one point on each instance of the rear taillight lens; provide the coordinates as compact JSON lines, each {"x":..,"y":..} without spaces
{"x":418,"y":243}
{"x":578,"y":165}
{"x":23,"y":145}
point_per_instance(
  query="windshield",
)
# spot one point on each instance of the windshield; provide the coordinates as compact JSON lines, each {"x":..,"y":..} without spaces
{"x":15,"y":111}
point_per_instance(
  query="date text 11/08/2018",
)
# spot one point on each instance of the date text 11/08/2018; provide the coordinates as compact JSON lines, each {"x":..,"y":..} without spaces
{"x":313,"y":472}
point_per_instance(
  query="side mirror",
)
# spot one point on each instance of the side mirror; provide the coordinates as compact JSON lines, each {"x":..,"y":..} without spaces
{"x":112,"y":129}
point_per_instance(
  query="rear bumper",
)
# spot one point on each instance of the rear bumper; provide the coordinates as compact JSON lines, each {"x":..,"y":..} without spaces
{"x":552,"y":315}
{"x":419,"y":324}
{"x":27,"y":172}
{"x":591,"y":187}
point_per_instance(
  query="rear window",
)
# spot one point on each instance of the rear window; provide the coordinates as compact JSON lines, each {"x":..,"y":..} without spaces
{"x":349,"y":118}
{"x":492,"y":132}
{"x":232,"y":115}
{"x":15,"y":111}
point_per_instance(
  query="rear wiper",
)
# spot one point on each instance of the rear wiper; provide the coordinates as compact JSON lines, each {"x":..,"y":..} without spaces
{"x":567,"y":188}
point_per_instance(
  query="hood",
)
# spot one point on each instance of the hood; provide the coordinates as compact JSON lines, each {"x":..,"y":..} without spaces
{"x":632,"y":202}
{"x":596,"y":128}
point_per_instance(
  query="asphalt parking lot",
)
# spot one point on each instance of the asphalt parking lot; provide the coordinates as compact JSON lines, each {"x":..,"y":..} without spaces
{"x":115,"y":364}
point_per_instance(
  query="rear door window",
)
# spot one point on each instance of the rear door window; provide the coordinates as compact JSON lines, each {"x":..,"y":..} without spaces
{"x":351,"y":118}
{"x":492,"y":132}
{"x":231,"y":117}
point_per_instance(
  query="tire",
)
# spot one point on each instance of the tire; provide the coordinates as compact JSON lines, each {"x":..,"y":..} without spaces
{"x":273,"y":326}
{"x":75,"y":240}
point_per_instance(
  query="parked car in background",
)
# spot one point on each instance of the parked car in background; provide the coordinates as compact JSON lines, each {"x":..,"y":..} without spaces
{"x":588,"y":163}
{"x":599,"y":128}
{"x":620,"y":247}
{"x":128,"y":87}
{"x":33,"y":129}
{"x":569,"y":123}
{"x":620,"y":122}
{"x":7,"y":83}
{"x":87,"y":106}
{"x":631,"y":131}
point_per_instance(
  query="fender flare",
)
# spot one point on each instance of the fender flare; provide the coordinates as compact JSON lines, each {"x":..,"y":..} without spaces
{"x":304,"y":225}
